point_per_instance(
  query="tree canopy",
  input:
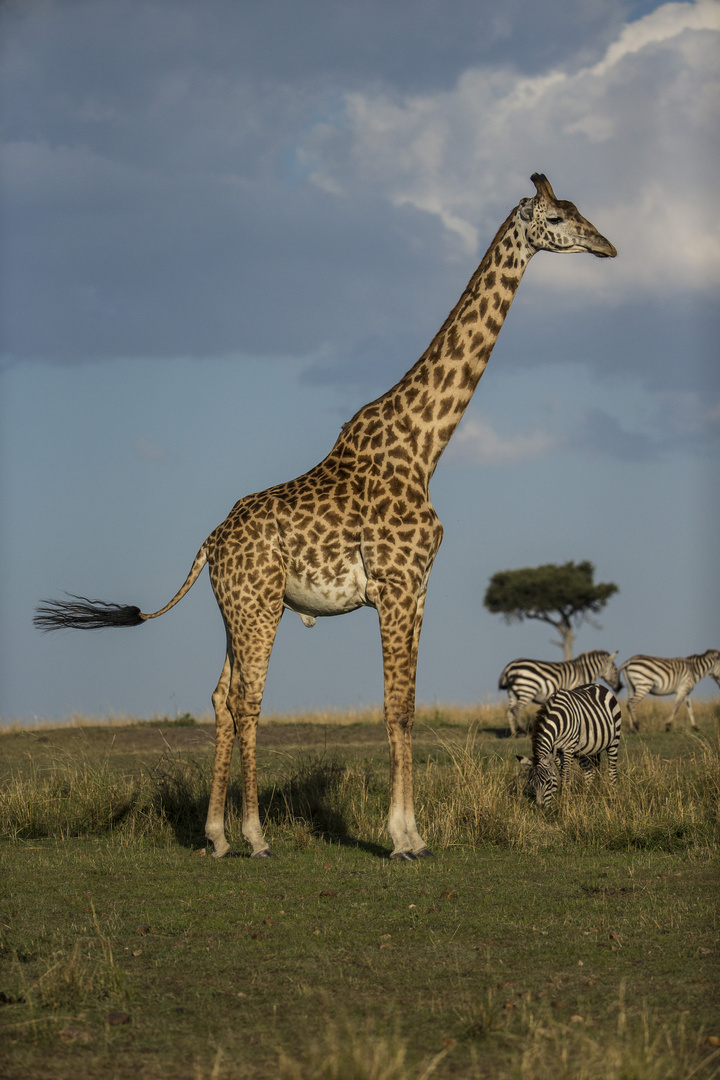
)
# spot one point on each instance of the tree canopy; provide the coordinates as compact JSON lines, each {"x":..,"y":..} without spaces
{"x":564,"y":596}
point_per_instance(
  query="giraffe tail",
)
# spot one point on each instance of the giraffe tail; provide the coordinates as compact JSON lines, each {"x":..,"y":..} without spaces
{"x":79,"y":613}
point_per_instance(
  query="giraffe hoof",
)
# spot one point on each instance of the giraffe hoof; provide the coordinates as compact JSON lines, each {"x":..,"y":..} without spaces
{"x":266,"y":853}
{"x":403,"y":856}
{"x":424,"y":853}
{"x":220,"y":853}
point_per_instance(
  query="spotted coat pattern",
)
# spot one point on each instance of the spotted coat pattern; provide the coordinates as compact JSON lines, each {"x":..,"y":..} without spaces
{"x":359,"y":529}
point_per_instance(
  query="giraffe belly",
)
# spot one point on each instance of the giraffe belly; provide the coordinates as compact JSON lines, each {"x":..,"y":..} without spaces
{"x":305,"y":595}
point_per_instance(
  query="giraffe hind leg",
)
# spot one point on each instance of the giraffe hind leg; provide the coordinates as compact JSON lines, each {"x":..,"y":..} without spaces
{"x":252,"y":644}
{"x":224,"y":741}
{"x":237,"y":701}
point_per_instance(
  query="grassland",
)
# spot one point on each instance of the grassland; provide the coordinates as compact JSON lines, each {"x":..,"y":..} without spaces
{"x":577,"y":941}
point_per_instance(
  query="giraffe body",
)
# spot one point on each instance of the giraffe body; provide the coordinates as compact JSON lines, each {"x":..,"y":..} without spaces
{"x":357,"y":530}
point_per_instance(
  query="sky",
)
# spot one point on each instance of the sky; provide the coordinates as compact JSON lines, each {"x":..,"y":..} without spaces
{"x":228,"y":226}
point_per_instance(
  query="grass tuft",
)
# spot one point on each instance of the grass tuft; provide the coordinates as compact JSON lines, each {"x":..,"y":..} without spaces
{"x":468,"y":792}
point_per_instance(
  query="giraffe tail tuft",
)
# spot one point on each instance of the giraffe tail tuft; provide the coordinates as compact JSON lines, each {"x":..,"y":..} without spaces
{"x":79,"y":613}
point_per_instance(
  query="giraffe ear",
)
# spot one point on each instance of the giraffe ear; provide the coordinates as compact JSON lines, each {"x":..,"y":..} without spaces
{"x":526,"y":209}
{"x":543,"y":186}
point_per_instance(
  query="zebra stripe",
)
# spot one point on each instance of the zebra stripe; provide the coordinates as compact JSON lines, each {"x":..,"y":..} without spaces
{"x":535,"y":680}
{"x":572,"y":724}
{"x":677,"y":675}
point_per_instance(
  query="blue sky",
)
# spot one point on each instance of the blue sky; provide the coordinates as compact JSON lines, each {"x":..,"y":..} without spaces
{"x":227,"y":226}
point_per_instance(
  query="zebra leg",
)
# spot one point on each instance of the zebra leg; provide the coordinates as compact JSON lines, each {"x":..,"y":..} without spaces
{"x":564,"y":759}
{"x":514,"y":706}
{"x":635,"y":699}
{"x":612,"y":756}
{"x":682,"y":695}
{"x":690,"y":713}
{"x":589,"y":765}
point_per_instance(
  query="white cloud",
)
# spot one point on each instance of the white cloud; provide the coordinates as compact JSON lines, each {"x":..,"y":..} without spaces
{"x":632,"y":139}
{"x":477,"y":442}
{"x":659,"y":26}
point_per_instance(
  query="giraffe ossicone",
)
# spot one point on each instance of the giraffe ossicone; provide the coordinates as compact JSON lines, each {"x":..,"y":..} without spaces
{"x":357,"y":530}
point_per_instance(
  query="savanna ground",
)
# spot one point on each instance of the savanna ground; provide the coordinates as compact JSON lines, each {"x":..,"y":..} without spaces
{"x":569,"y":942}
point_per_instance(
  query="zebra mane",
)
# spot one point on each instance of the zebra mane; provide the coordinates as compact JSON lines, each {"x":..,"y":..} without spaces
{"x":540,"y":715}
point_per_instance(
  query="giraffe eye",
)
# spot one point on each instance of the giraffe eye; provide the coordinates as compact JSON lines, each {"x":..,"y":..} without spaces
{"x":553,"y":219}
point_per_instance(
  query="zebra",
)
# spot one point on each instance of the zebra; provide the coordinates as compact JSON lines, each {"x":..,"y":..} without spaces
{"x":578,"y":723}
{"x":534,"y":680}
{"x":658,"y":675}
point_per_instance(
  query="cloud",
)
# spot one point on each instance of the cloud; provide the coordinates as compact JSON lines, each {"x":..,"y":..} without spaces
{"x":686,"y":417}
{"x":185,"y":179}
{"x":641,"y":426}
{"x":477,"y":442}
{"x":632,"y":138}
{"x":598,"y":433}
{"x":661,"y":25}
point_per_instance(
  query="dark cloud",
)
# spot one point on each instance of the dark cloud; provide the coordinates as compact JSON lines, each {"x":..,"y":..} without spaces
{"x":156,"y":203}
{"x":664,"y":342}
{"x":120,"y":48}
{"x":600,"y":433}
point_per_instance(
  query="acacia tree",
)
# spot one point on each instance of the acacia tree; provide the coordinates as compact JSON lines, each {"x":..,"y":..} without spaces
{"x":564,"y":596}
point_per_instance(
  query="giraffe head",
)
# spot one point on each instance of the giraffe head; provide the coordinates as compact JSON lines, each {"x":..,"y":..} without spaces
{"x":556,"y":225}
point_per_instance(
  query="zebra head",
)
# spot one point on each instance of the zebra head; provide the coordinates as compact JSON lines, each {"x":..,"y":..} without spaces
{"x":540,"y":781}
{"x":610,"y":673}
{"x":714,"y":656}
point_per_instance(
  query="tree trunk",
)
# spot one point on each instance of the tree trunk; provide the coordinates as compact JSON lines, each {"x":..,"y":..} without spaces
{"x":567,"y":644}
{"x":568,"y":641}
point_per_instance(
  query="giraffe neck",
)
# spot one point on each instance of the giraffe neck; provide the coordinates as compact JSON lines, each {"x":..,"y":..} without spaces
{"x":406,"y":430}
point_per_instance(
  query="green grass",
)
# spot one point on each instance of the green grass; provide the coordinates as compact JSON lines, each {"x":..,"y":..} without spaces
{"x":577,"y":941}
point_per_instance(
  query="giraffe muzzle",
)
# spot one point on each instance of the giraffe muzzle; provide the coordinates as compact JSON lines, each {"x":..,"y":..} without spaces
{"x":602,"y":248}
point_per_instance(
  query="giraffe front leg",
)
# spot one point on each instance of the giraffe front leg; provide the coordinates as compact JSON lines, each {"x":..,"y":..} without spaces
{"x":397,"y":611}
{"x":419,"y":848}
{"x":395,"y":723}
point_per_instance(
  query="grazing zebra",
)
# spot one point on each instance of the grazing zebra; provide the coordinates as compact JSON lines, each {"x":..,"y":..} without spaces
{"x":578,"y":723}
{"x":660,"y":676}
{"x":534,"y":680}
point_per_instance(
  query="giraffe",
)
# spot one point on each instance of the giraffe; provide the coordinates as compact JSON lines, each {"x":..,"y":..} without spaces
{"x":357,"y":530}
